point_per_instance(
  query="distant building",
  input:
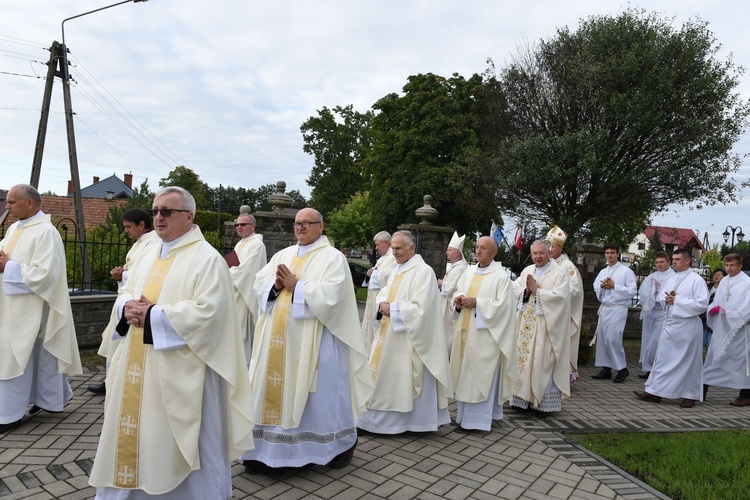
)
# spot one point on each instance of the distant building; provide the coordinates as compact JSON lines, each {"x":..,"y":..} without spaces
{"x":98,"y":199}
{"x":671,"y":239}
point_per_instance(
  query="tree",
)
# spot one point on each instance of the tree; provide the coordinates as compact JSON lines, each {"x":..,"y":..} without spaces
{"x":142,"y":198}
{"x":427,"y":141}
{"x":612,"y":123}
{"x":185,"y":178}
{"x":351,"y":225}
{"x":338,"y":139}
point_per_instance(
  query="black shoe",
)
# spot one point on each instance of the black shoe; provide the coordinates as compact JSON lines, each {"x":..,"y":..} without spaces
{"x":621,"y":376}
{"x":644,"y":375}
{"x":342,"y":459}
{"x":541,"y":414}
{"x":10,"y":426}
{"x":36,"y":409}
{"x":98,"y":388}
{"x":606,"y":373}
{"x":254,"y":467}
{"x":463,"y":430}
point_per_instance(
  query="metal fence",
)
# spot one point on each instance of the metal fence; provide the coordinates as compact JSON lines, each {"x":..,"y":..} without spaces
{"x":641,"y":273}
{"x":106,"y":248}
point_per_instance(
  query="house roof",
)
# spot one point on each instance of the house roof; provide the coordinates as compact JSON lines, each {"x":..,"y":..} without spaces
{"x":678,"y":236}
{"x":100,"y":189}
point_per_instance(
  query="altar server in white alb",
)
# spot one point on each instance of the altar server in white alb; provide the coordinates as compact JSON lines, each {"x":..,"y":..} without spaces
{"x":455,"y":268}
{"x":137,"y":225}
{"x":308,"y":371}
{"x":728,"y":357}
{"x":377,"y":278}
{"x":251,"y":254}
{"x":615,"y":286}
{"x":543,"y":315}
{"x":484,"y":356}
{"x":652,"y":310}
{"x":409,"y":358}
{"x":38,"y":346}
{"x":178,"y":408}
{"x":678,"y":365}
{"x":557,"y":238}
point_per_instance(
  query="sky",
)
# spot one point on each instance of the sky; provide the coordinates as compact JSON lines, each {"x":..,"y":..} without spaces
{"x":223,"y":86}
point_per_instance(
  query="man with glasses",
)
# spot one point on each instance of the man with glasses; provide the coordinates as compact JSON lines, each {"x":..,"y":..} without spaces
{"x":308,"y":372}
{"x":137,"y":226}
{"x":37,"y":333}
{"x":251,"y":253}
{"x":178,"y":406}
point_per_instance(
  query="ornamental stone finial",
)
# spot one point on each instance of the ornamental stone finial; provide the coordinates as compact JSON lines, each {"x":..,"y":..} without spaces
{"x":426,"y":212}
{"x":280,"y":200}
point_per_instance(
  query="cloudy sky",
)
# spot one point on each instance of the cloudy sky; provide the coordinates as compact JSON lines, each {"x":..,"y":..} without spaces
{"x":223,"y":86}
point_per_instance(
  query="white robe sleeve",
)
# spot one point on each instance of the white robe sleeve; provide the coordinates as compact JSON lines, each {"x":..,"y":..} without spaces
{"x":13,"y":279}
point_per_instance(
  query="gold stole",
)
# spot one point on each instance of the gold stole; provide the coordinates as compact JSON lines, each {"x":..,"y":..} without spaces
{"x":12,"y":242}
{"x":385,"y":324}
{"x":126,"y":464}
{"x":273,"y":403}
{"x":473,"y":291}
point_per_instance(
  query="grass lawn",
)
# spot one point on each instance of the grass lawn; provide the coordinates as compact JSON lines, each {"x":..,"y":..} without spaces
{"x":686,"y":465}
{"x":361,"y":294}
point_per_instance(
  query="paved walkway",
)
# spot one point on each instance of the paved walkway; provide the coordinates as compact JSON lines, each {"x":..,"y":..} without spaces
{"x":49,"y":456}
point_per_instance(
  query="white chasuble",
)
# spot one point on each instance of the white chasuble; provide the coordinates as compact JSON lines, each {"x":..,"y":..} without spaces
{"x":405,"y":354}
{"x":37,"y":247}
{"x":543,"y":334}
{"x":485,"y":336}
{"x":196,"y":297}
{"x":329,"y":303}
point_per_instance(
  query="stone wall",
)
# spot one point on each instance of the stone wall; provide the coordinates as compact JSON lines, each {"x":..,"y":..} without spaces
{"x":91,"y":314}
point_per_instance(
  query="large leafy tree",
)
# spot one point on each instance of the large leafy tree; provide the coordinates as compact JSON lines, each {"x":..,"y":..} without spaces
{"x":338,"y":139}
{"x":613,"y":122}
{"x":186,"y":178}
{"x":351,"y":225}
{"x":427,"y":141}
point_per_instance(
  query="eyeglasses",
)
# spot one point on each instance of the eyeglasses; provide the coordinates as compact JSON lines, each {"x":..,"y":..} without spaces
{"x":165,"y":212}
{"x":242,"y":224}
{"x":300,"y":225}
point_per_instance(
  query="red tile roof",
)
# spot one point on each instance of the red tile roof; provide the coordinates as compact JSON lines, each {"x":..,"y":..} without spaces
{"x":678,"y":236}
{"x":95,"y":210}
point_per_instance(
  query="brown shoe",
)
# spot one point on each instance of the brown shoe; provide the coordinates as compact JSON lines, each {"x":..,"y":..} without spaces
{"x":645,"y":396}
{"x":687,"y":403}
{"x":741,"y":402}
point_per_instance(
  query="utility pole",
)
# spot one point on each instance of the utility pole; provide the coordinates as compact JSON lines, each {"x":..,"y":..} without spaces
{"x":57,"y":66}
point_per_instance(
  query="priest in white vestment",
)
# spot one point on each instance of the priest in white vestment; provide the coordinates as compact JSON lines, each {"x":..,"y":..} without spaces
{"x":377,"y":278}
{"x":615,"y":286}
{"x":678,"y":364}
{"x":178,"y":406}
{"x":137,"y":225}
{"x":543,"y":304}
{"x":37,"y":334}
{"x":728,"y":357}
{"x":308,"y":371}
{"x":557,"y":238}
{"x":409,"y":358}
{"x":455,"y":268}
{"x":652,"y":310}
{"x":484,"y":355}
{"x":251,"y":253}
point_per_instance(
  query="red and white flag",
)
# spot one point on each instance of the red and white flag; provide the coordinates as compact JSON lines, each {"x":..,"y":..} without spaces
{"x":518,"y":238}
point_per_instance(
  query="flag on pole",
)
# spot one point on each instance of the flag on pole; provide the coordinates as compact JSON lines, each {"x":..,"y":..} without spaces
{"x":496,"y":233}
{"x":518,"y":238}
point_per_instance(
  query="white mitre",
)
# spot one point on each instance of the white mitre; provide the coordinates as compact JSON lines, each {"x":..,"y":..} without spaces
{"x":456,"y":242}
{"x":556,"y":236}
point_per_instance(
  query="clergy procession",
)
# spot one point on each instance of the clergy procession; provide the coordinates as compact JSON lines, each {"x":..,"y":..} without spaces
{"x":212,"y":360}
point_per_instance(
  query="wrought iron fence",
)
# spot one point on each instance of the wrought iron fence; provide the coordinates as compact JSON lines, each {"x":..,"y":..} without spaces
{"x":106,"y":248}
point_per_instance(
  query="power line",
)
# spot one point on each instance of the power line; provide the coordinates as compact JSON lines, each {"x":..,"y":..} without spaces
{"x":78,"y":118}
{"x":21,"y":41}
{"x":163,"y":148}
{"x":19,"y":74}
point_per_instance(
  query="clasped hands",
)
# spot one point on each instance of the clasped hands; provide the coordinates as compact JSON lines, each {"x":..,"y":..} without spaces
{"x":3,"y":261}
{"x":116,"y":273}
{"x":607,"y":283}
{"x":463,"y":302}
{"x":531,"y":284}
{"x":285,"y":278}
{"x":135,"y":311}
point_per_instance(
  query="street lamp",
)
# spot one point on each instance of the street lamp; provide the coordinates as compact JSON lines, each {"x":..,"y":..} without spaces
{"x":740,"y":234}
